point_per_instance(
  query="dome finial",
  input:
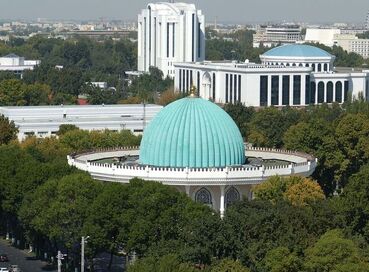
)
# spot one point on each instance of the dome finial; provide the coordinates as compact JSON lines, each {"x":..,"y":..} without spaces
{"x":193,"y":91}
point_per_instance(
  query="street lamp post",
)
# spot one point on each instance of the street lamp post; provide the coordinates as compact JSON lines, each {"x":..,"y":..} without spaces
{"x":83,"y":243}
{"x":60,"y":257}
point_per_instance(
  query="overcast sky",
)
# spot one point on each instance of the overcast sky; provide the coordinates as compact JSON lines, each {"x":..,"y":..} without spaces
{"x":242,"y":11}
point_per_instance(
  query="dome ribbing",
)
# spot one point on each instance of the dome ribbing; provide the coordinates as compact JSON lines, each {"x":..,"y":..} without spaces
{"x":192,"y":132}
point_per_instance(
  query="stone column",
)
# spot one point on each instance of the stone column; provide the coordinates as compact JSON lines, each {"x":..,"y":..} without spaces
{"x":188,"y":190}
{"x":221,"y":203}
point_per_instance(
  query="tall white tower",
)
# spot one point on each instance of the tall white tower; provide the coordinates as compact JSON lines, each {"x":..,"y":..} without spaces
{"x":169,"y":33}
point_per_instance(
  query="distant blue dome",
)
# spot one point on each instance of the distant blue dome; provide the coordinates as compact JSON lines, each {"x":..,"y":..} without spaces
{"x":297,"y":50}
{"x":192,"y":132}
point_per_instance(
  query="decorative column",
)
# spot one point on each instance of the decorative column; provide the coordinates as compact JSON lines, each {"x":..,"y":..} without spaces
{"x":188,"y":190}
{"x":221,"y":203}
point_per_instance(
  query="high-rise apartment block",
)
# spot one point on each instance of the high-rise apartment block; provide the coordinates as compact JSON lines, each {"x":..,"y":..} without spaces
{"x":169,"y":33}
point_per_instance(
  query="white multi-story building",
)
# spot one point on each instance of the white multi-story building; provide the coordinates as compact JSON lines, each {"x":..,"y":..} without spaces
{"x":321,"y":35}
{"x":44,"y":121}
{"x":289,"y":75}
{"x":351,"y":43}
{"x":16,"y":64}
{"x":270,"y":36}
{"x":169,"y":33}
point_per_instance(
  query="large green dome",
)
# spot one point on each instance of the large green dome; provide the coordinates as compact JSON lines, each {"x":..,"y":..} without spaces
{"x":192,"y":132}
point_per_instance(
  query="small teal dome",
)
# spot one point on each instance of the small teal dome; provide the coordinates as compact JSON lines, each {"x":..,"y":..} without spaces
{"x":192,"y":132}
{"x":296,"y":50}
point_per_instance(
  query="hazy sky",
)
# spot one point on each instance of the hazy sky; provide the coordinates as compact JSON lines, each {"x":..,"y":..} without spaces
{"x":226,"y":10}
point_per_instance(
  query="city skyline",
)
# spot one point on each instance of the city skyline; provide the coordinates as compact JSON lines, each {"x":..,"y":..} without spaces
{"x":236,"y":11}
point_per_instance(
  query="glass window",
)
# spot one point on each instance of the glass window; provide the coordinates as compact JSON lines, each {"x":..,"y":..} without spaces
{"x":286,"y":90}
{"x":307,"y":90}
{"x":180,"y":79}
{"x":214,"y":86}
{"x":346,"y":90}
{"x":339,"y":91}
{"x":239,"y":88}
{"x":226,"y":94}
{"x":263,"y":90}
{"x":321,"y":92}
{"x":232,"y":195}
{"x":275,"y":90}
{"x":203,"y":196}
{"x":319,"y":67}
{"x":297,"y":90}
{"x":329,"y":92}
{"x":312,"y":92}
{"x":235,"y":88}
{"x":231,"y":88}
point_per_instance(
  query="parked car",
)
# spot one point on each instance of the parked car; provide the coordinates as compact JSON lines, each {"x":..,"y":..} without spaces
{"x":4,"y":269}
{"x":4,"y":258}
{"x":14,"y":268}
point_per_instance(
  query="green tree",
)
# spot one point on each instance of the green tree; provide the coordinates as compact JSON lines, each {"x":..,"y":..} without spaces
{"x":227,"y":265}
{"x":334,"y":252}
{"x":8,"y":131}
{"x":281,"y":259}
{"x":166,"y":263}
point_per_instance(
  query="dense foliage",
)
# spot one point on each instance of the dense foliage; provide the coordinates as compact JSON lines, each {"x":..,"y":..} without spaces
{"x":67,"y":65}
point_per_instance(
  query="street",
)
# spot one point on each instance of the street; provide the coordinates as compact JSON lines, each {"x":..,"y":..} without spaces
{"x":25,"y":261}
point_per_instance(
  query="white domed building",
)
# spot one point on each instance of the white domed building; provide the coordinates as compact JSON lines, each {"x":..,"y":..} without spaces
{"x":195,"y":146}
{"x":289,"y":75}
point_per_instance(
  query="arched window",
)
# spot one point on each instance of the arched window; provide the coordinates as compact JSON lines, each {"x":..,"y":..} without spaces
{"x":301,"y":65}
{"x":312,"y":92}
{"x":321,"y":92}
{"x":319,"y":67}
{"x":203,"y":196}
{"x":325,"y":67}
{"x":339,"y":91}
{"x":232,"y":195}
{"x":329,"y":92}
{"x":313,"y":65}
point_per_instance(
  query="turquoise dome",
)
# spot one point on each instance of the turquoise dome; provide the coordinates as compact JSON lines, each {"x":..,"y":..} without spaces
{"x":296,"y":50}
{"x":192,"y":132}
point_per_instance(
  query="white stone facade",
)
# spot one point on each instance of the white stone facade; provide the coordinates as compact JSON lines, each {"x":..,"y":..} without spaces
{"x":169,"y":33}
{"x":260,"y":85}
{"x":271,"y":36}
{"x":216,"y":184}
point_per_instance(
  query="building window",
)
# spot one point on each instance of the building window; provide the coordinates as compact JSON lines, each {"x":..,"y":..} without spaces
{"x":191,"y":79}
{"x":325,"y":67}
{"x":199,"y":40}
{"x":321,"y":92}
{"x":329,"y":92}
{"x":232,"y":195}
{"x":198,"y":83}
{"x":297,"y":90}
{"x":174,"y":39}
{"x":168,"y":39}
{"x":285,"y":90}
{"x":313,"y":66}
{"x":346,"y":90}
{"x":203,"y":196}
{"x":263,"y":90}
{"x":239,"y":88}
{"x":339,"y":91}
{"x":307,"y":90}
{"x":319,"y":67}
{"x":214,"y":86}
{"x":180,"y":79}
{"x":231,"y":88}
{"x":187,"y":80}
{"x":193,"y":37}
{"x":275,"y":90}
{"x":312,"y":92}
{"x":235,"y":98}
{"x":226,"y":87}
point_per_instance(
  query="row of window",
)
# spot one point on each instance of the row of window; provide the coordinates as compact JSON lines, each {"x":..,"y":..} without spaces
{"x":316,"y":67}
{"x":232,"y":88}
{"x":310,"y":91}
{"x":204,"y":196}
{"x":185,"y":80}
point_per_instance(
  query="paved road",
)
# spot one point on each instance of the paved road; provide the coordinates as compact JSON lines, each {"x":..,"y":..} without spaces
{"x":25,"y":261}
